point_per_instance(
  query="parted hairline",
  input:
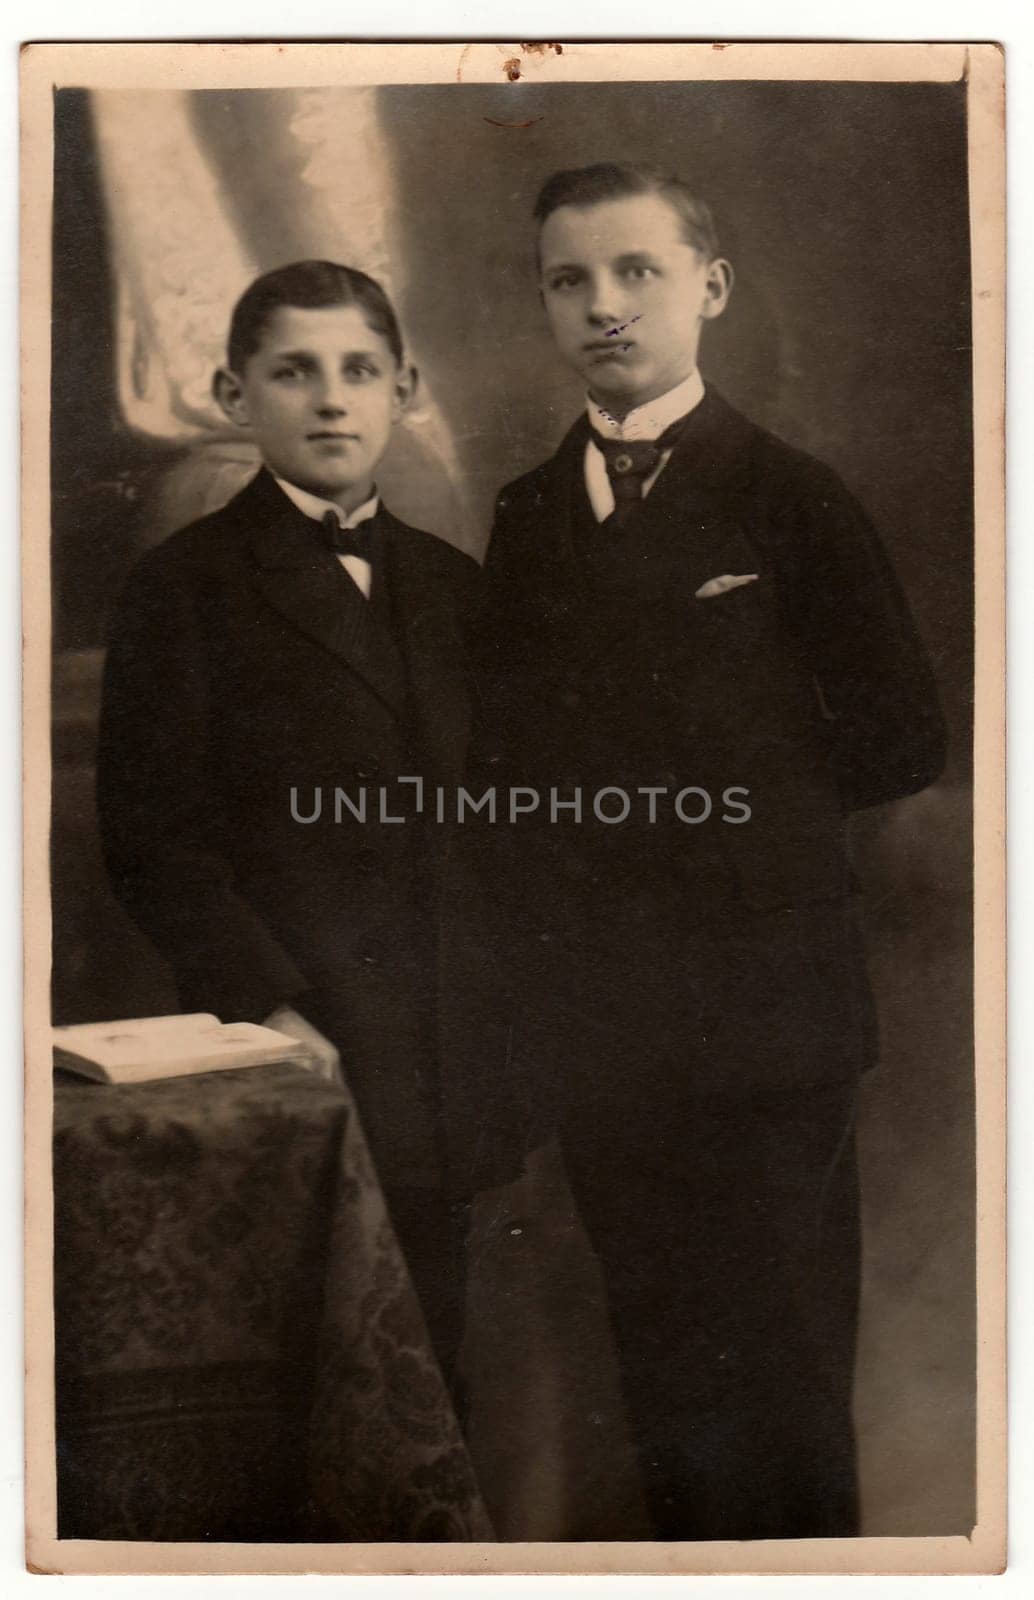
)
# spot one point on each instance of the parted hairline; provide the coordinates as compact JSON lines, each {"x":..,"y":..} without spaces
{"x":308,"y":285}
{"x":615,"y":180}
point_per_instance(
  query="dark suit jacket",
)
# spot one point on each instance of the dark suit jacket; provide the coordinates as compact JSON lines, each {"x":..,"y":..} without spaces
{"x":244,"y":662}
{"x":724,"y":955}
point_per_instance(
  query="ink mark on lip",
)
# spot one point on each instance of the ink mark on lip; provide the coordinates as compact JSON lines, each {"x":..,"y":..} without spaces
{"x":612,"y":333}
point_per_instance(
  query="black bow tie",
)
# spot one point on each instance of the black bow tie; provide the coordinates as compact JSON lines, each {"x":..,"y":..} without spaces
{"x":349,"y":541}
{"x":629,"y":463}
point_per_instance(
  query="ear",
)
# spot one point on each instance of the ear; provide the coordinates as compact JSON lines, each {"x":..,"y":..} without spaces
{"x":406,"y":383}
{"x":717,"y":288}
{"x":229,"y":396}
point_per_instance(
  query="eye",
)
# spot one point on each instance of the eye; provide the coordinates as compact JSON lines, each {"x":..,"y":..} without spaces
{"x":361,"y":370}
{"x":639,"y":272}
{"x":287,"y":372}
{"x":564,"y":280}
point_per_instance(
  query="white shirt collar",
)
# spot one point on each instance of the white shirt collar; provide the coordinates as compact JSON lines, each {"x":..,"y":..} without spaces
{"x":312,"y":505}
{"x":650,"y":420}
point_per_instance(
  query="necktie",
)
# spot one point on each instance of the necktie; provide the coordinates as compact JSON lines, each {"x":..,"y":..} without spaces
{"x":349,"y":541}
{"x":629,"y":463}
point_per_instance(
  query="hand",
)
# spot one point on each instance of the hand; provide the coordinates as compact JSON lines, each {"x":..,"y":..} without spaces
{"x":324,"y":1059}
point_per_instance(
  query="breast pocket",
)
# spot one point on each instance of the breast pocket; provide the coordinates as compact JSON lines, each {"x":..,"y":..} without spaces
{"x":725,"y":584}
{"x":730,"y":638}
{"x":732,"y":598}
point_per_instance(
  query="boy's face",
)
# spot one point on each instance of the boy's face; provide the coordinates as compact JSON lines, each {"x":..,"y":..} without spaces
{"x":320,"y":394}
{"x":625,"y":295}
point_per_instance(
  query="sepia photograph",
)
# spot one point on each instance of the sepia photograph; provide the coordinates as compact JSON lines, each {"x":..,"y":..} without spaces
{"x":512,"y":566}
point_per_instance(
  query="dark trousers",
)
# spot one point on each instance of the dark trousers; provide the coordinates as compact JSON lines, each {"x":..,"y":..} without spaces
{"x":728,"y":1234}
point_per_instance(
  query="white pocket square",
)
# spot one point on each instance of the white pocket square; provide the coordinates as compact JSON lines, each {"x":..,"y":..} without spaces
{"x":713,"y":586}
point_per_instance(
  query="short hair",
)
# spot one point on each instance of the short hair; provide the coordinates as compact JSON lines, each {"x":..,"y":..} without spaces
{"x":614,"y":180}
{"x":309,"y":285}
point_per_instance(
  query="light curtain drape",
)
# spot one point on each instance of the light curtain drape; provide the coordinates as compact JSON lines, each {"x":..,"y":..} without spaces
{"x":203,"y":192}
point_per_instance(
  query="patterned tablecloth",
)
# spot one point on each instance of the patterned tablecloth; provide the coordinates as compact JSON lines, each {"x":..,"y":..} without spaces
{"x":240,"y":1353}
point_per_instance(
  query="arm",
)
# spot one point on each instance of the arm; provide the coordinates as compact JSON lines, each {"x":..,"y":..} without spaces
{"x":159,"y":813}
{"x":864,"y":650}
{"x":494,"y":631}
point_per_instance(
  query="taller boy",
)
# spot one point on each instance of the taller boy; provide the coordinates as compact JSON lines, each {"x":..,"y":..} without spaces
{"x":680,"y":599}
{"x":297,"y":642}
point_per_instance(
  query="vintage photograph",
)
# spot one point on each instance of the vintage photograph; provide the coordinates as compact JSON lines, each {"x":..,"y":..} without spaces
{"x":504,"y":1066}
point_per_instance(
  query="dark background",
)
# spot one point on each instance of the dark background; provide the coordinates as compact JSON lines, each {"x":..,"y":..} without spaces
{"x":844,"y":209}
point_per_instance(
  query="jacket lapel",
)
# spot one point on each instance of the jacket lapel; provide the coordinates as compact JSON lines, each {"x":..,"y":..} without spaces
{"x":691,"y":528}
{"x":425,"y":606}
{"x":306,"y":584}
{"x":698,"y":511}
{"x":579,"y":625}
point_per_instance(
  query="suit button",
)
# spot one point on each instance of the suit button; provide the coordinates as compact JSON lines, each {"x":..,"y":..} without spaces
{"x":622,"y":463}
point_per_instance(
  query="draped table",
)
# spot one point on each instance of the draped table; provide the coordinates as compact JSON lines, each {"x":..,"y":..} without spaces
{"x":240,"y":1354}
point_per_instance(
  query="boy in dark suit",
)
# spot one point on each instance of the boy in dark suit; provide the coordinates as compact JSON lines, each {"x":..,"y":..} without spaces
{"x":274,"y":669}
{"x":690,"y":614}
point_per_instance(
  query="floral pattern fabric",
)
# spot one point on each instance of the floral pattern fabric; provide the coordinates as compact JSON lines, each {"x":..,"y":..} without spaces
{"x":240,"y":1354}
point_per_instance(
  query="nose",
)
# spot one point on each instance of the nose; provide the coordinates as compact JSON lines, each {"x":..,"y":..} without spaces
{"x":331,"y":400}
{"x":603,"y":307}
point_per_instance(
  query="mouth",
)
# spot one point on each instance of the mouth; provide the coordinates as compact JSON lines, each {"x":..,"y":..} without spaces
{"x":602,"y":349}
{"x":332,"y":436}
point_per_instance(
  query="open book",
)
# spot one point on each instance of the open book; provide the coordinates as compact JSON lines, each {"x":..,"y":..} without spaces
{"x":145,"y":1048}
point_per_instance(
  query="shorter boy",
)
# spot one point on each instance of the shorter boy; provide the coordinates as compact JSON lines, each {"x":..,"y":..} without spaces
{"x":299,"y":643}
{"x":683,"y":603}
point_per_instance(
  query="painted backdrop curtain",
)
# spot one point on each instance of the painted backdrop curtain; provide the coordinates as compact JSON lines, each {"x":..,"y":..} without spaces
{"x":204,"y":191}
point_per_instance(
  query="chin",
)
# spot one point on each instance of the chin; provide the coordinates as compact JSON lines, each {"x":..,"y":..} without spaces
{"x":328,"y":488}
{"x":622,"y":398}
{"x":622,"y":383}
{"x":606,"y":391}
